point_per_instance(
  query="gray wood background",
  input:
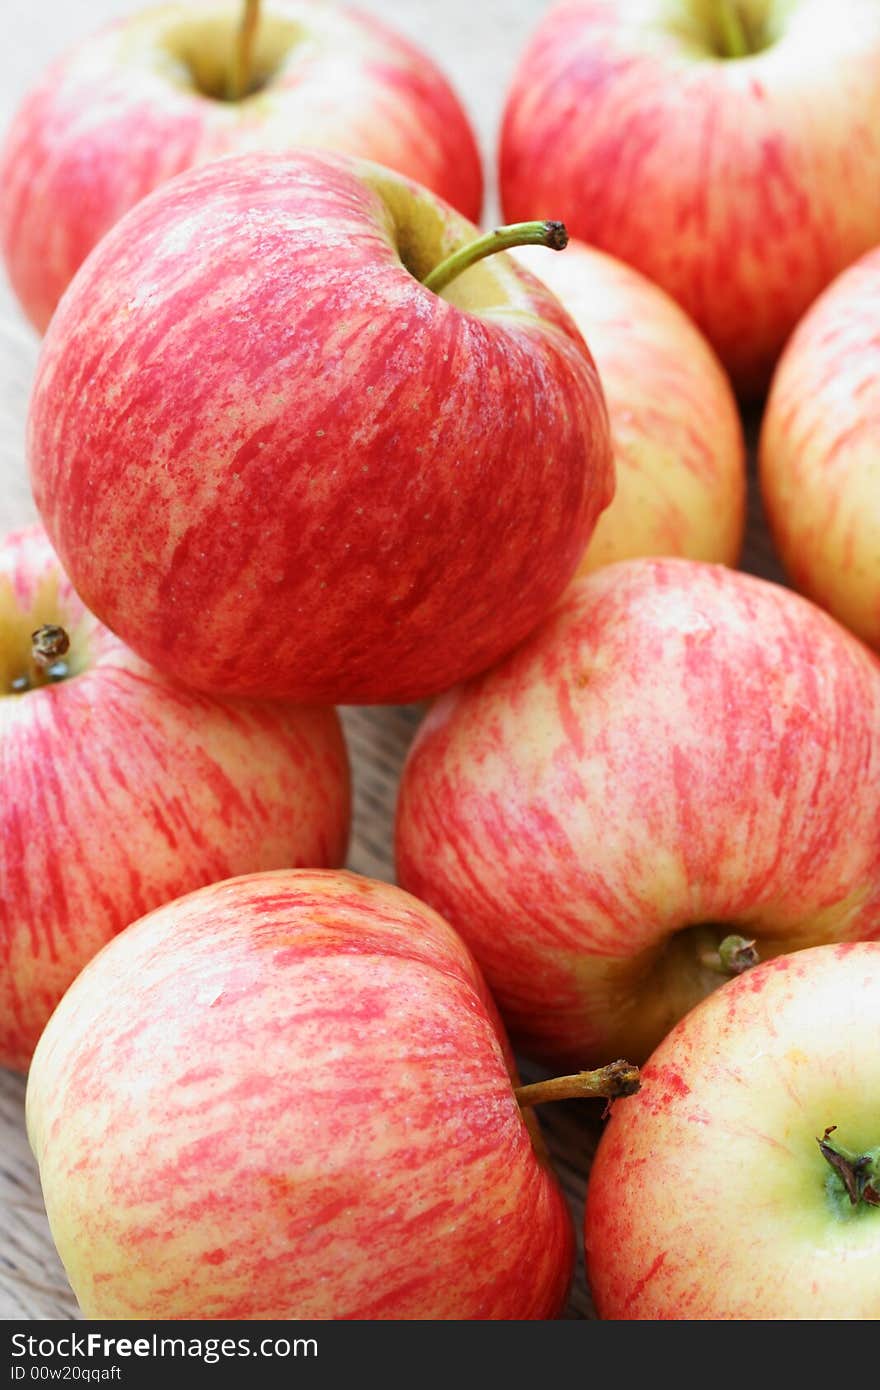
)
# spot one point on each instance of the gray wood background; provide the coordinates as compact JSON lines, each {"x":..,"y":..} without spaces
{"x":477,"y":45}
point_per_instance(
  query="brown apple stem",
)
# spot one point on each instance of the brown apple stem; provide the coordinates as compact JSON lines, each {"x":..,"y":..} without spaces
{"x":732,"y":37}
{"x":733,"y":956}
{"x":550,"y":234}
{"x":611,"y":1082}
{"x":857,"y":1172}
{"x":49,"y":644}
{"x":243,"y":54}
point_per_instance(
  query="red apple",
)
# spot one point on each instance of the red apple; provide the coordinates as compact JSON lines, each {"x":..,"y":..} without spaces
{"x":119,"y":790}
{"x":289,"y":1096}
{"x":679,"y":455}
{"x":730,"y":151}
{"x":717,"y":1193}
{"x":680,"y":753}
{"x":150,"y":96}
{"x":276,"y":464}
{"x":819,"y":452}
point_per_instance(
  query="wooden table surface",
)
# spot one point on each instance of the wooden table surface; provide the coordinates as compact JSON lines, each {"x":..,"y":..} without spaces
{"x":477,"y":46}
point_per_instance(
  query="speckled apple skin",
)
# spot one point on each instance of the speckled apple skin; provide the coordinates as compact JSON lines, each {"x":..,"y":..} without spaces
{"x":289,"y":1096}
{"x":677,"y":745}
{"x":707,"y":1196}
{"x":820,"y":451}
{"x":742,"y":187}
{"x":679,"y":454}
{"x":118,"y":115}
{"x":276,"y":465}
{"x":120,"y":790}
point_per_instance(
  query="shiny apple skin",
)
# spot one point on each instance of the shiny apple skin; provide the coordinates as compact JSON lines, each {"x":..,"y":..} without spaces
{"x":289,"y":1096}
{"x":276,"y":465}
{"x":680,"y":752}
{"x":708,"y":1193}
{"x":679,"y":454}
{"x":819,"y":451}
{"x":119,"y":790}
{"x":741,"y":186}
{"x":120,"y":113}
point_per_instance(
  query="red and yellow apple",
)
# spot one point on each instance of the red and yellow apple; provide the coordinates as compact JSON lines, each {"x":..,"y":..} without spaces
{"x":729,"y":149}
{"x":679,"y":754}
{"x":717,"y":1192}
{"x":679,"y":454}
{"x":819,"y":455}
{"x":120,"y":790}
{"x":277,"y":464}
{"x":150,"y":96}
{"x":289,"y":1096}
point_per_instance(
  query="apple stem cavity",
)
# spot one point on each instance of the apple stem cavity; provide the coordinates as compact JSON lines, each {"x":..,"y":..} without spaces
{"x":609,"y":1083}
{"x":733,"y":956}
{"x":240,"y":75}
{"x":731,"y":30}
{"x":550,"y":234}
{"x":859,"y":1173}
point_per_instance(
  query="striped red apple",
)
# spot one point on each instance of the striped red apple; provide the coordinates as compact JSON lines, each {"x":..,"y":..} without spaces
{"x":158,"y":92}
{"x":729,"y":149}
{"x":819,"y":451}
{"x":679,"y":455}
{"x":276,"y":463}
{"x":752,"y":1152}
{"x":679,"y":756}
{"x":289,"y":1096}
{"x":119,"y":789}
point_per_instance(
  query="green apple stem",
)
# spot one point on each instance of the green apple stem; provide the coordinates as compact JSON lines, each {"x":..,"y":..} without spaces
{"x":243,"y":53}
{"x":551,"y":234}
{"x":732,"y":35}
{"x":733,"y":956}
{"x":617,"y":1079}
{"x":859,"y":1173}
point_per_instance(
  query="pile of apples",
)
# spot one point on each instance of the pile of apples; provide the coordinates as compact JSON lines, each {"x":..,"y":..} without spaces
{"x":302,"y":436}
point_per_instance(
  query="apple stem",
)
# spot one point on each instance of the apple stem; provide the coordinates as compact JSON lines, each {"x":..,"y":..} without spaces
{"x":617,"y":1079}
{"x":733,"y":956}
{"x":550,"y":234}
{"x":732,"y":35}
{"x":856,"y":1171}
{"x":243,"y":53}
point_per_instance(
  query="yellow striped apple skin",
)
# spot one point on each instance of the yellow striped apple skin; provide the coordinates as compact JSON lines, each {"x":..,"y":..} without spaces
{"x":144,"y":99}
{"x":715,"y":1166}
{"x":820,"y":451}
{"x":277,"y":465}
{"x":679,"y":454}
{"x":120,"y":789}
{"x":289,"y":1096}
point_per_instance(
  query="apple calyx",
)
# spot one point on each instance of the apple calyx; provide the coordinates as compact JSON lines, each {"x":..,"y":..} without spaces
{"x":550,"y":234}
{"x":733,"y":956}
{"x":859,"y":1173}
{"x":49,"y":645}
{"x":240,"y":73}
{"x":609,"y":1083}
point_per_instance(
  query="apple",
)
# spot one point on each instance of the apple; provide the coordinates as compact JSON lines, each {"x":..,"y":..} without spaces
{"x":277,"y":464}
{"x":678,"y":445}
{"x":819,"y":457}
{"x":160,"y":91}
{"x":679,"y":756}
{"x":729,"y":150}
{"x":289,"y":1096}
{"x":120,"y":789}
{"x":751,"y":1154}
